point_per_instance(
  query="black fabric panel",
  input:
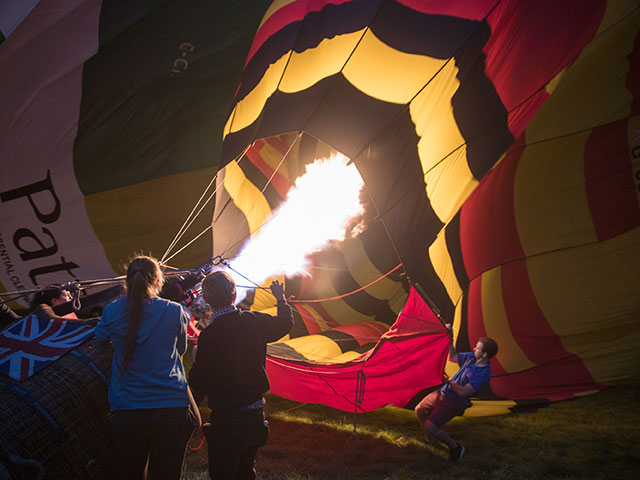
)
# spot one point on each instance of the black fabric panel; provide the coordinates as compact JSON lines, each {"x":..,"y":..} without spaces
{"x":259,"y":180}
{"x":345,"y":341}
{"x":289,"y":112}
{"x":364,"y":348}
{"x":478,"y":109}
{"x":393,"y":175}
{"x":230,"y":227}
{"x":299,"y":36}
{"x":462,"y":341}
{"x":282,"y":113}
{"x":284,"y":351}
{"x":235,"y":143}
{"x":437,"y":36}
{"x":299,"y":327}
{"x":454,"y":247}
{"x":347,"y":119}
{"x":380,"y":250}
{"x":159,"y":88}
{"x":317,"y":110}
{"x":343,"y":282}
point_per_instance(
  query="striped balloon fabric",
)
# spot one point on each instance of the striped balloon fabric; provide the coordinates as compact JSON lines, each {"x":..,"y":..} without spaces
{"x":498,"y":142}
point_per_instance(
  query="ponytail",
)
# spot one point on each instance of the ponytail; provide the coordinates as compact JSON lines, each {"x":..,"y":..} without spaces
{"x":144,"y":279}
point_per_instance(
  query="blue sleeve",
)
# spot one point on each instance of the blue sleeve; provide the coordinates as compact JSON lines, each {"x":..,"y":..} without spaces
{"x":481,"y":377}
{"x":463,"y":357}
{"x":181,"y":344}
{"x":102,"y":329}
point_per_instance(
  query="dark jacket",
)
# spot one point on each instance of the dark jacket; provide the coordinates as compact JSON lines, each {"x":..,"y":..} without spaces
{"x":7,"y":316}
{"x":230,"y":362}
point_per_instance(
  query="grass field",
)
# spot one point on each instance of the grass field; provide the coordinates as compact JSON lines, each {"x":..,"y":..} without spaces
{"x":595,"y":437}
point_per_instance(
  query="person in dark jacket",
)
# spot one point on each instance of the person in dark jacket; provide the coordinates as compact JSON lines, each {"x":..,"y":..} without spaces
{"x":7,"y":316}
{"x":229,"y":369}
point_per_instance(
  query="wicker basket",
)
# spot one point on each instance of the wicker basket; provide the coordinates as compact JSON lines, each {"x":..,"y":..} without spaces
{"x":55,"y":425}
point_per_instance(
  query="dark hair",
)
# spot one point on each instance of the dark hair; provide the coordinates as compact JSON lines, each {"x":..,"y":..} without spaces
{"x":46,"y":295}
{"x":489,"y":346}
{"x":144,"y":280}
{"x":218,"y":289}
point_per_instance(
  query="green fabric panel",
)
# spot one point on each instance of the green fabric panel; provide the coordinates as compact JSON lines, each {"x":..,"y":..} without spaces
{"x":157,"y":93}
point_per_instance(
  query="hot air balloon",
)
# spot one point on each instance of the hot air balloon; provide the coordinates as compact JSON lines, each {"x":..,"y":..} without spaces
{"x":498,"y":143}
{"x":497,"y":140}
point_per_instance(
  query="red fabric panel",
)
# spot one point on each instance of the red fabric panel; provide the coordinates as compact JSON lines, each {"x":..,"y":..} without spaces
{"x":558,"y":374}
{"x":475,"y":322}
{"x":520,"y":116}
{"x":363,"y":332}
{"x":288,"y":14}
{"x":279,"y":182}
{"x":488,"y":233}
{"x":534,"y":383}
{"x":531,"y":42}
{"x":557,"y":370}
{"x":611,"y":188}
{"x":389,"y":378}
{"x":470,"y":9}
{"x":308,"y":319}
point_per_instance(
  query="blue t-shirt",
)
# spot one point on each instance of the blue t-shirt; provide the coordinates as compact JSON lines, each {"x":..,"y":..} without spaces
{"x":155,"y":377}
{"x":478,"y":376}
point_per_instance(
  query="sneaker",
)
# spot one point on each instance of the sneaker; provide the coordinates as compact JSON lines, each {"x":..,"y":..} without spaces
{"x":455,"y":454}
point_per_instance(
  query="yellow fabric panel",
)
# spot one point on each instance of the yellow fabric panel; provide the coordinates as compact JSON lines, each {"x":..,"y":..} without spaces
{"x":248,"y":109}
{"x":590,"y":296}
{"x":14,"y":305}
{"x":441,"y":146}
{"x":449,"y":184}
{"x":441,"y":261}
{"x":487,"y":408}
{"x":633,"y":127}
{"x":263,"y":300}
{"x":432,"y":114}
{"x":273,"y":8}
{"x":143,"y":214}
{"x":496,"y":324}
{"x":364,"y":271}
{"x":273,"y":157}
{"x":246,"y":197}
{"x":315,"y":317}
{"x":339,"y":310}
{"x":593,"y":90}
{"x":328,"y":58}
{"x":550,"y":199}
{"x":615,"y":11}
{"x":347,"y":356}
{"x":316,"y":348}
{"x":387,"y":74}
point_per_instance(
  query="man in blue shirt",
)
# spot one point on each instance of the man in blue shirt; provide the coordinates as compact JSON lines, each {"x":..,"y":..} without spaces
{"x":452,"y":399}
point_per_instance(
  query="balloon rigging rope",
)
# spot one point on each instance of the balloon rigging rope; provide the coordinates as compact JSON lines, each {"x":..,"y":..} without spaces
{"x":193,"y":240}
{"x":284,"y":157}
{"x":192,"y":217}
{"x":350,"y":293}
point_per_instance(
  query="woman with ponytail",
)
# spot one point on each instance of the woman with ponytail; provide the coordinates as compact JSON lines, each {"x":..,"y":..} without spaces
{"x":147,"y":387}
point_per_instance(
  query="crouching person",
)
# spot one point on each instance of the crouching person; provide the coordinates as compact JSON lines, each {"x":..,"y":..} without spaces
{"x":452,"y":399}
{"x":230,"y":370}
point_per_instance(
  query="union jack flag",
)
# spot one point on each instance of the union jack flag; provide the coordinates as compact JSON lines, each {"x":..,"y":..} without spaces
{"x":33,"y":343}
